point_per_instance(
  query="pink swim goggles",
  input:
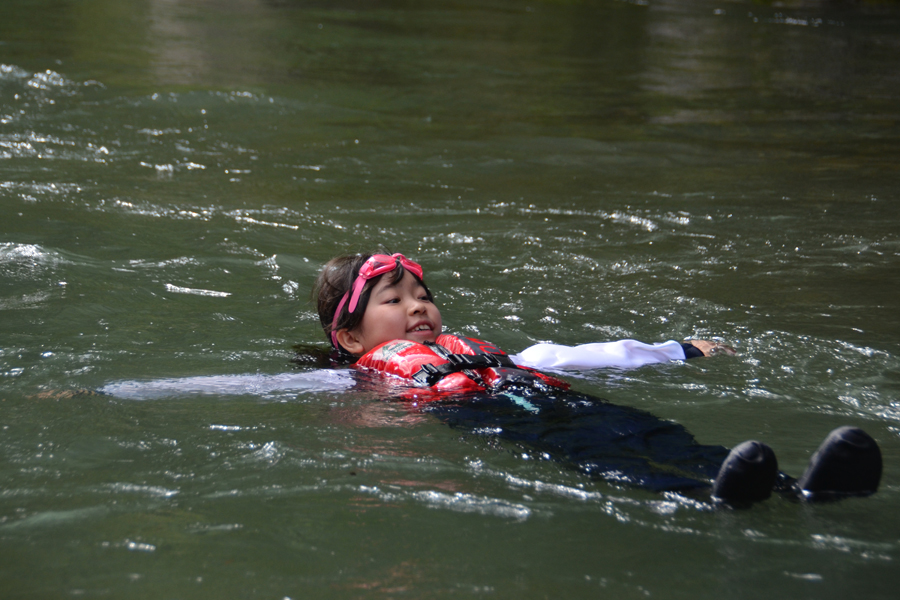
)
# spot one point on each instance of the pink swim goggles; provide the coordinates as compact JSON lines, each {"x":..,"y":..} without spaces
{"x":377,"y":264}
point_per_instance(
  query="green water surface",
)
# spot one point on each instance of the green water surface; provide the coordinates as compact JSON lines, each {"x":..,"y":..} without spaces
{"x":174,"y":173}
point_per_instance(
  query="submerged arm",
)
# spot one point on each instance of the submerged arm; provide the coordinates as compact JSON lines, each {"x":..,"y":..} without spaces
{"x":322,"y":380}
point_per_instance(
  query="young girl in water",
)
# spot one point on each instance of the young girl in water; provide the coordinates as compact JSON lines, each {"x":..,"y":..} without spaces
{"x":378,"y":313}
{"x":386,"y":299}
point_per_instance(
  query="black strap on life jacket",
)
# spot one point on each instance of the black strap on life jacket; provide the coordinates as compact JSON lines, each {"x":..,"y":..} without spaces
{"x":459,"y":363}
{"x":486,"y":356}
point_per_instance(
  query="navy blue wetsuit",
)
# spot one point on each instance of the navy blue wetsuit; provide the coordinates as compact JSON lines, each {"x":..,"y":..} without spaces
{"x":598,"y":438}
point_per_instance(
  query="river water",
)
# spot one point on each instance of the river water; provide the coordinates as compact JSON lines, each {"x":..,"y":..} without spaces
{"x":173,"y":173}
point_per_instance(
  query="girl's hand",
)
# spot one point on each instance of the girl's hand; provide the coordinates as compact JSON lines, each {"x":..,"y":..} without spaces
{"x":709,"y":348}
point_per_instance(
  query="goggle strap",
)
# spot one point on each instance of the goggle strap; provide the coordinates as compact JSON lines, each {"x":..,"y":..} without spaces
{"x":334,"y":322}
{"x":357,"y":290}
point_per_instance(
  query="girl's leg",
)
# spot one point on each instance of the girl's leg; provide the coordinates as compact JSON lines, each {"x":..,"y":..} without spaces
{"x":602,"y":440}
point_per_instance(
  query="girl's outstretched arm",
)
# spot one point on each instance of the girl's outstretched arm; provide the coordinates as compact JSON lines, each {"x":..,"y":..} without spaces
{"x":257,"y":384}
{"x":709,"y":348}
{"x":622,"y":354}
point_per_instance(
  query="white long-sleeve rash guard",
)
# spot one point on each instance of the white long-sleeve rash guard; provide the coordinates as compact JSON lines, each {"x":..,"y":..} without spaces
{"x":622,"y":354}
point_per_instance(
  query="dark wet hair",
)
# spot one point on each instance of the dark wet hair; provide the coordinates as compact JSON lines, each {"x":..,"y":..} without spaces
{"x":336,"y":278}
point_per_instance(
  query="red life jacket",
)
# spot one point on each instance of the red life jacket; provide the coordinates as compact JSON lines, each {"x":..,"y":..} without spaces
{"x":453,"y":364}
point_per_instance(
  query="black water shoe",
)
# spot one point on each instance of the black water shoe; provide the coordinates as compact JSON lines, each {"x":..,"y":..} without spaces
{"x":747,"y":475}
{"x":848,"y":463}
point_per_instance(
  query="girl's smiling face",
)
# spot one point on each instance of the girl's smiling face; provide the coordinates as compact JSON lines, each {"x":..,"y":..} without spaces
{"x":395,"y":311}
